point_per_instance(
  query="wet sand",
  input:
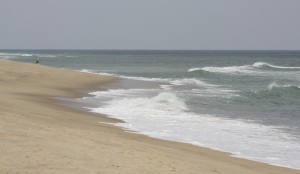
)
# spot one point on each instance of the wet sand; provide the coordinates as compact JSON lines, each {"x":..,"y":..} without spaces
{"x":40,"y":135}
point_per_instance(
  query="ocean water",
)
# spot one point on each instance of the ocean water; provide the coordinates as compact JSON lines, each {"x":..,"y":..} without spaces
{"x":243,"y":102}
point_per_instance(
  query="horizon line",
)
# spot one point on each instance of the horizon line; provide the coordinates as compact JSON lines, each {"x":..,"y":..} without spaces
{"x":74,"y":49}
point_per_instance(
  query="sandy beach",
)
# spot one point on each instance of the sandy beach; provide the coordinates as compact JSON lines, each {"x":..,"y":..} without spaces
{"x":40,"y":135}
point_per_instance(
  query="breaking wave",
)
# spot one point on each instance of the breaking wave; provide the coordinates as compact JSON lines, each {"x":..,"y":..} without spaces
{"x":161,"y":105}
{"x":244,"y":69}
{"x":191,"y":81}
{"x":275,"y":85}
{"x":167,"y":116}
{"x":194,"y":69}
{"x":266,"y":65}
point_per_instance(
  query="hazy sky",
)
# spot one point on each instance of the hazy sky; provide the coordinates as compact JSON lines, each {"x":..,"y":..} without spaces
{"x":150,"y":24}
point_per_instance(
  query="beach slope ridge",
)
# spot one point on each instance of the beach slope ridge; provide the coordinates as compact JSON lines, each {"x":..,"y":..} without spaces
{"x":38,"y":135}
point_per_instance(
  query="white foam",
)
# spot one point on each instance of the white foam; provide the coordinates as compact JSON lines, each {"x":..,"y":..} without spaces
{"x":69,"y":56}
{"x":166,"y":87}
{"x":147,"y":79}
{"x":215,"y":92}
{"x":86,"y":71}
{"x":167,"y":116}
{"x":257,"y":69}
{"x":93,"y":72}
{"x":9,"y":55}
{"x":246,"y":69}
{"x":194,"y":69}
{"x":26,"y":55}
{"x":163,"y":104}
{"x":128,"y":77}
{"x":198,"y":87}
{"x":191,"y":81}
{"x":264,"y":64}
{"x":116,"y":93}
{"x":16,"y":55}
{"x":46,"y":55}
{"x":276,"y":85}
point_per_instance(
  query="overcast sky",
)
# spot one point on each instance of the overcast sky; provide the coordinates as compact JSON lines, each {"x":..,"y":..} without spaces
{"x":150,"y":24}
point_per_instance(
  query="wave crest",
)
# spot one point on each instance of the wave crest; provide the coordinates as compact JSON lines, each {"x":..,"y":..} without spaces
{"x":161,"y":105}
{"x":191,"y":81}
{"x":194,"y":69}
{"x":275,"y":85}
{"x":243,"y":69}
{"x":266,"y":65}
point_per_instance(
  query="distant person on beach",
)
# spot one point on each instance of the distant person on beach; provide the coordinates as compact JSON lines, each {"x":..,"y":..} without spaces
{"x":37,"y":61}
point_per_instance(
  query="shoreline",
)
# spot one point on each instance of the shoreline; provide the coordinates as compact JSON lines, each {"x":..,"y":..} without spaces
{"x":38,"y":134}
{"x":119,"y":85}
{"x":78,"y":106}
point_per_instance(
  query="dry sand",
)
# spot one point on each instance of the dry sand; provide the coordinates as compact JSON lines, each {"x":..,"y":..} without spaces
{"x":38,"y":135}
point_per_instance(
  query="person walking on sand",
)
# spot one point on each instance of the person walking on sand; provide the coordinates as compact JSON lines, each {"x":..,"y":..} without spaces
{"x":37,"y":61}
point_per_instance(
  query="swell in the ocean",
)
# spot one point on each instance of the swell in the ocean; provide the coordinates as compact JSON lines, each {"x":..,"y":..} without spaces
{"x":273,"y":94}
